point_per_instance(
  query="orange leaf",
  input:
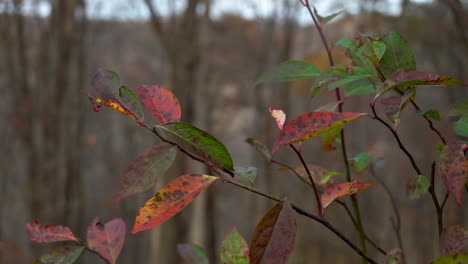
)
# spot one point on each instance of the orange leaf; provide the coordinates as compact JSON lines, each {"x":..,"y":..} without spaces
{"x":170,"y":200}
{"x":342,"y":189}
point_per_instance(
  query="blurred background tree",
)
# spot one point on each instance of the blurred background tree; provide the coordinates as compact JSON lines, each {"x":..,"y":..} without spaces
{"x":61,"y":161}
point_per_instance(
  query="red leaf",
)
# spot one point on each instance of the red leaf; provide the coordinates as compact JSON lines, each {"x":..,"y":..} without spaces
{"x":312,"y":124}
{"x":339,"y":190}
{"x":274,"y":236}
{"x":107,"y":239}
{"x":453,"y":167}
{"x":46,"y":234}
{"x":143,"y":172}
{"x":453,"y":239}
{"x":161,"y":102}
{"x":170,"y":200}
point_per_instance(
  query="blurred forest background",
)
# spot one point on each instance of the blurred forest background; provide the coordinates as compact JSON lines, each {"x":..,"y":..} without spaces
{"x":61,"y":161}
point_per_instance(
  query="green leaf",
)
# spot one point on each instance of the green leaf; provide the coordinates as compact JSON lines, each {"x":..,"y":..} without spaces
{"x":247,"y":173}
{"x":418,"y":187}
{"x":61,"y":255}
{"x":193,"y":254}
{"x":461,"y":126}
{"x":362,"y":86}
{"x":433,"y":114}
{"x":361,"y":161}
{"x":456,"y":258}
{"x":329,"y":137}
{"x":328,"y":176}
{"x":459,"y":108}
{"x":197,"y":142}
{"x":363,"y":51}
{"x":290,"y":71}
{"x":131,"y":102}
{"x":234,"y":249}
{"x":324,"y":20}
{"x":397,"y":56}
{"x":393,"y":256}
{"x":260,"y":147}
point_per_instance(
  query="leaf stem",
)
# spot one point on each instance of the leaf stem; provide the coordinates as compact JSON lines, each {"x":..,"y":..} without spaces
{"x":439,"y":209}
{"x":317,"y":198}
{"x":353,"y":198}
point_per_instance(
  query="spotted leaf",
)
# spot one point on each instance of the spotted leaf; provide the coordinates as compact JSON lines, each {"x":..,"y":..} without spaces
{"x":312,"y":124}
{"x":453,"y":239}
{"x":170,"y":200}
{"x":234,"y":249}
{"x":47,"y":233}
{"x":453,"y":168}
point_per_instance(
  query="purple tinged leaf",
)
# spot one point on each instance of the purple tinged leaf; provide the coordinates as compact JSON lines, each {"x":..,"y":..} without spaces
{"x":47,"y":233}
{"x":453,"y":239}
{"x":106,"y":84}
{"x":107,"y":239}
{"x":144,"y":171}
{"x":404,"y":78}
{"x":453,"y":168}
{"x":274,"y":237}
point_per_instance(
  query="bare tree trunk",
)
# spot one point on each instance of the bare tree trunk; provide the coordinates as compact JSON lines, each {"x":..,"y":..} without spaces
{"x":460,"y":20}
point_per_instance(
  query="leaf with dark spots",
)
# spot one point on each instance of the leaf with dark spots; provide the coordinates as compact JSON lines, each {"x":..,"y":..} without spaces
{"x":455,"y":258}
{"x":106,"y":84}
{"x":234,"y":249}
{"x":312,"y":124}
{"x":397,"y":56}
{"x":47,"y":233}
{"x":453,"y":239}
{"x":170,"y":200}
{"x":342,"y":189}
{"x":61,"y":255}
{"x":453,"y":168}
{"x":404,"y":78}
{"x":260,"y":147}
{"x":196,"y":142}
{"x":290,"y":71}
{"x":131,"y":102}
{"x":144,"y":171}
{"x":274,"y":237}
{"x":161,"y":102}
{"x":107,"y":239}
{"x":193,"y":254}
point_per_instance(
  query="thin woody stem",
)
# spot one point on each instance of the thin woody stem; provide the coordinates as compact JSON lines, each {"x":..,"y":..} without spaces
{"x":354,"y":201}
{"x":271,"y":197}
{"x":317,"y":198}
